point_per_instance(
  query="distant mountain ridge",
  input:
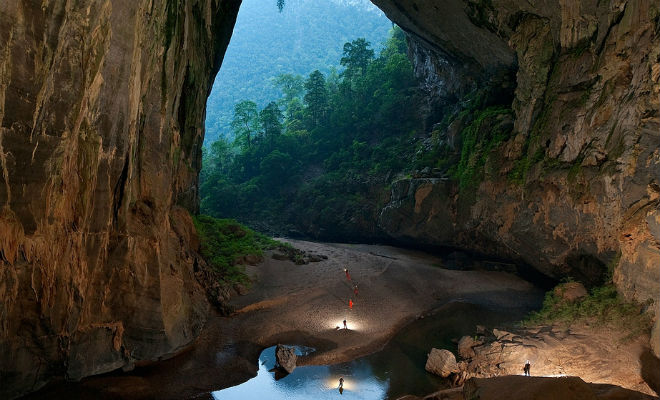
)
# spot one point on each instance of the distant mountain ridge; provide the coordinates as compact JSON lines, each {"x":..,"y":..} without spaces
{"x":306,"y":35}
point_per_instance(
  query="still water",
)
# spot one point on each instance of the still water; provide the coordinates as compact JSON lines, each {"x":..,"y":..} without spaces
{"x":396,"y":370}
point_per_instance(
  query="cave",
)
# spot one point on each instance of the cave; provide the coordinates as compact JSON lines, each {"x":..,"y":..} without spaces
{"x":102,"y":122}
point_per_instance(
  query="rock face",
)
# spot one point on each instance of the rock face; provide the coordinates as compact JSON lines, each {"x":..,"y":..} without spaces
{"x":441,"y":362}
{"x":604,"y":355}
{"x":574,"y":190}
{"x":465,"y":346}
{"x":285,"y":356}
{"x":101,"y":120}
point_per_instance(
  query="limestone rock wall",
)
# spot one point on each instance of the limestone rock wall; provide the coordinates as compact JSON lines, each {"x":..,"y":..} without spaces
{"x":102,"y":109}
{"x":586,"y":136}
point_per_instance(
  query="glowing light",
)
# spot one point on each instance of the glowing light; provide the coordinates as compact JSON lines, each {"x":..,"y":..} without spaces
{"x":332,"y":382}
{"x":352,"y":325}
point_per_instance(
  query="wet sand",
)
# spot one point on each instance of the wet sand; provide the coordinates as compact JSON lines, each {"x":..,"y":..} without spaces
{"x":305,"y":304}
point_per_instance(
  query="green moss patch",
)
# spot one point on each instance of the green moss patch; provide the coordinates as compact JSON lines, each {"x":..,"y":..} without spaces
{"x":603,"y":307}
{"x":225,"y":244}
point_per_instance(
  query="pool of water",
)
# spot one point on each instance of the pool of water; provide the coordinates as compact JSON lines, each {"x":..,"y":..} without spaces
{"x":396,"y":370}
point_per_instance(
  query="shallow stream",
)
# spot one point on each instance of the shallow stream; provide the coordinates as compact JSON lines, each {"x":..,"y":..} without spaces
{"x":396,"y":370}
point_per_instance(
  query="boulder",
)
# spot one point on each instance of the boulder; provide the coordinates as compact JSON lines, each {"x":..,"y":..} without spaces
{"x":570,"y":291}
{"x":500,"y":334}
{"x":285,"y":356}
{"x":441,"y":362}
{"x":465,"y":346}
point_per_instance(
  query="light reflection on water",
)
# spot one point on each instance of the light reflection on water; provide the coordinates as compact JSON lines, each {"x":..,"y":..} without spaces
{"x":309,"y":382}
{"x":396,"y":370}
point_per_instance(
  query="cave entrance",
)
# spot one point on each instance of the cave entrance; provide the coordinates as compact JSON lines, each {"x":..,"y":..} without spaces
{"x":304,"y":98}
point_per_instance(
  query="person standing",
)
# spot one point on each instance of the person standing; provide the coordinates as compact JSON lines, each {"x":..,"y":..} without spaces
{"x":527,"y":368}
{"x":348,"y":275}
{"x":345,"y":326}
{"x":355,"y":290}
{"x":350,"y":303}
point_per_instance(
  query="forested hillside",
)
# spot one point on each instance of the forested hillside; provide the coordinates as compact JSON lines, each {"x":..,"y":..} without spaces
{"x":307,"y":35}
{"x":321,"y":154}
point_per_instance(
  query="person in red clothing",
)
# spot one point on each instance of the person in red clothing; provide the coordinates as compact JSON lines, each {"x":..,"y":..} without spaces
{"x":355,"y":290}
{"x":350,"y":304}
{"x":348,"y":275}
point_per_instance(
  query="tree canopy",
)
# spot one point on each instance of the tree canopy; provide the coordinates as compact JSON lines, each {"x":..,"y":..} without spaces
{"x":314,"y":148}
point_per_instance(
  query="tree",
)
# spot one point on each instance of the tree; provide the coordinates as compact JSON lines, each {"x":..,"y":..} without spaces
{"x":316,"y":98}
{"x":356,"y":58}
{"x":271,"y":121}
{"x":220,"y":155}
{"x":245,"y":123}
{"x":291,"y":86}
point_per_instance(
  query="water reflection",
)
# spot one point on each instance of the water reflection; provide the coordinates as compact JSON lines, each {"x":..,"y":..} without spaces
{"x":309,"y":382}
{"x":396,"y":370}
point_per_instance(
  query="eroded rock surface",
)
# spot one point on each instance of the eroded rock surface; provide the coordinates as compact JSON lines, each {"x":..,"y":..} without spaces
{"x":574,"y":190}
{"x":596,"y":354}
{"x":286,"y":357}
{"x":101,"y":120}
{"x":441,"y":362}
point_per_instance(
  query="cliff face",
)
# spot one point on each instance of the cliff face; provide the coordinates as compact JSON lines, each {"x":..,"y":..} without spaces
{"x":574,"y":190}
{"x":101,"y":121}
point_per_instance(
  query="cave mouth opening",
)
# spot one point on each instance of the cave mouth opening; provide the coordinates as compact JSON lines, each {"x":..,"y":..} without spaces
{"x":293,"y":100}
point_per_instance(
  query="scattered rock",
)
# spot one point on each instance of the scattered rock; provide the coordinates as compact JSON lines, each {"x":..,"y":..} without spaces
{"x":285,"y":356}
{"x":314,"y":258}
{"x":279,"y":256}
{"x":570,"y":291}
{"x":465,"y":346}
{"x":441,"y":362}
{"x":499,"y":334}
{"x":241,"y":289}
{"x":481,"y":329}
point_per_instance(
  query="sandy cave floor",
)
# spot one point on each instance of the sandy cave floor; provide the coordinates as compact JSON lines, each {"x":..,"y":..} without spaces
{"x":304,"y":304}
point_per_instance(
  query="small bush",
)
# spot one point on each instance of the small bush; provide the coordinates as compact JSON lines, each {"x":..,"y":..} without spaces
{"x":225,"y":241}
{"x":603,"y":306}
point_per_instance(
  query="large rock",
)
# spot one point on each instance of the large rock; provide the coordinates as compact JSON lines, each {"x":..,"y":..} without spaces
{"x":102,"y":109}
{"x":584,"y":143}
{"x":441,"y":362}
{"x":465,"y":346}
{"x":285,"y":356}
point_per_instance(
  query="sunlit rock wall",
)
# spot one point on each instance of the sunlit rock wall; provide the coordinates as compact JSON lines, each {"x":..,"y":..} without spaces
{"x":586,"y":123}
{"x":101,"y":121}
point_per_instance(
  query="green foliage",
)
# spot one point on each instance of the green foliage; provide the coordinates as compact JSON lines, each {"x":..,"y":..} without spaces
{"x":291,"y":86}
{"x":271,"y":121}
{"x":307,"y":35}
{"x":316,"y":99}
{"x":225,"y":241}
{"x":603,"y":306}
{"x":356,"y":58}
{"x":478,"y":144}
{"x":342,"y":134}
{"x":245,"y":122}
